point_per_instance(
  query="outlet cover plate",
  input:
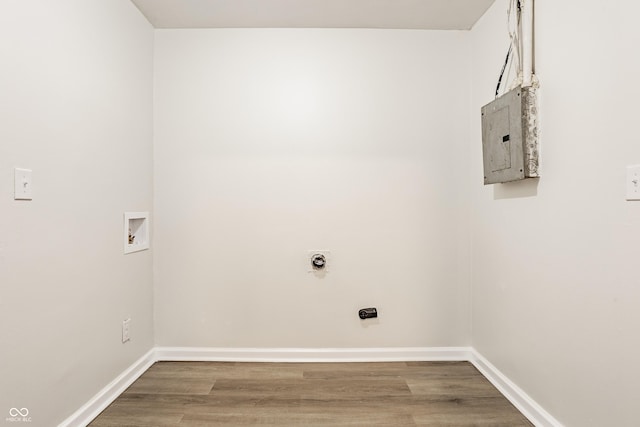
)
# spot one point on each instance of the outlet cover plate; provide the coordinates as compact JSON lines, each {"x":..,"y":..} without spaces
{"x":126,"y":330}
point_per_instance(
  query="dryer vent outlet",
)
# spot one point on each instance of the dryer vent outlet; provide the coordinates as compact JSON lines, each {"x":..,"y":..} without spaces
{"x":318,"y":261}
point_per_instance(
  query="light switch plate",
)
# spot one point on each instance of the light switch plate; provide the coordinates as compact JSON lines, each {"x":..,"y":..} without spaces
{"x":633,"y":182}
{"x":23,"y":184}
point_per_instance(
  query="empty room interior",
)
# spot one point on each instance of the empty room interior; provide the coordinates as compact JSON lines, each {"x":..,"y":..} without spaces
{"x":235,"y":181}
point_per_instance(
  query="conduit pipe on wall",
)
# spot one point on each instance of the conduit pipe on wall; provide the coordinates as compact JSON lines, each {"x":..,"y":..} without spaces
{"x":527,"y":43}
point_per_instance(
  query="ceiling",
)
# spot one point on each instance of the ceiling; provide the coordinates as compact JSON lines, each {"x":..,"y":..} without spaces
{"x":396,"y":14}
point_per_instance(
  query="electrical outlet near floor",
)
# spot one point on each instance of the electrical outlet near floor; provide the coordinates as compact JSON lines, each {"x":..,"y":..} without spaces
{"x":126,"y":336}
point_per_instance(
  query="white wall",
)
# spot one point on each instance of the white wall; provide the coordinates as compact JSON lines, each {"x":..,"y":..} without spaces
{"x":555,"y":265}
{"x":76,"y":108}
{"x":273,"y":142}
{"x":269,"y":143}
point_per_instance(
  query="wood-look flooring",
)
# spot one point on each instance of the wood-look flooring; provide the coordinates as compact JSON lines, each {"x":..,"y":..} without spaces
{"x":329,"y":394}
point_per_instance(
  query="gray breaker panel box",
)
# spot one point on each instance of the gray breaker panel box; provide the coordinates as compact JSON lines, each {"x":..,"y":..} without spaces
{"x":510,"y":137}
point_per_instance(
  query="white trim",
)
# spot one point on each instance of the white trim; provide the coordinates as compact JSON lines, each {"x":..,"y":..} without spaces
{"x":313,"y":354}
{"x":521,"y":400}
{"x":108,"y":394}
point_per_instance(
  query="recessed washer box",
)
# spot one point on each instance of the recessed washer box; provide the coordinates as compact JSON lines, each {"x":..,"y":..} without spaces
{"x":136,"y":231}
{"x":510,"y":137}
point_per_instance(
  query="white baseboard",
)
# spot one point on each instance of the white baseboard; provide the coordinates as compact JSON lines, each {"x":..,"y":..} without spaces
{"x":108,"y":394}
{"x":529,"y":408}
{"x":525,"y":404}
{"x":313,"y":354}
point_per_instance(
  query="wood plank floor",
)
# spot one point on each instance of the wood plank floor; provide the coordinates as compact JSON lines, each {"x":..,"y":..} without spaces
{"x":329,"y":394}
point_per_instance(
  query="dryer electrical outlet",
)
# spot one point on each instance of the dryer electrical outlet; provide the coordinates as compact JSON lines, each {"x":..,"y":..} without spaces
{"x":510,"y":137}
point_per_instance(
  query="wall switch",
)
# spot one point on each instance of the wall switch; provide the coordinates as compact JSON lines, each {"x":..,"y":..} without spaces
{"x":126,"y":330}
{"x":633,"y":182}
{"x":23,"y":184}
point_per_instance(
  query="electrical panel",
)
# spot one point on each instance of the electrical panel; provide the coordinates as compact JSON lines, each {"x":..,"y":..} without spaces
{"x":510,"y":137}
